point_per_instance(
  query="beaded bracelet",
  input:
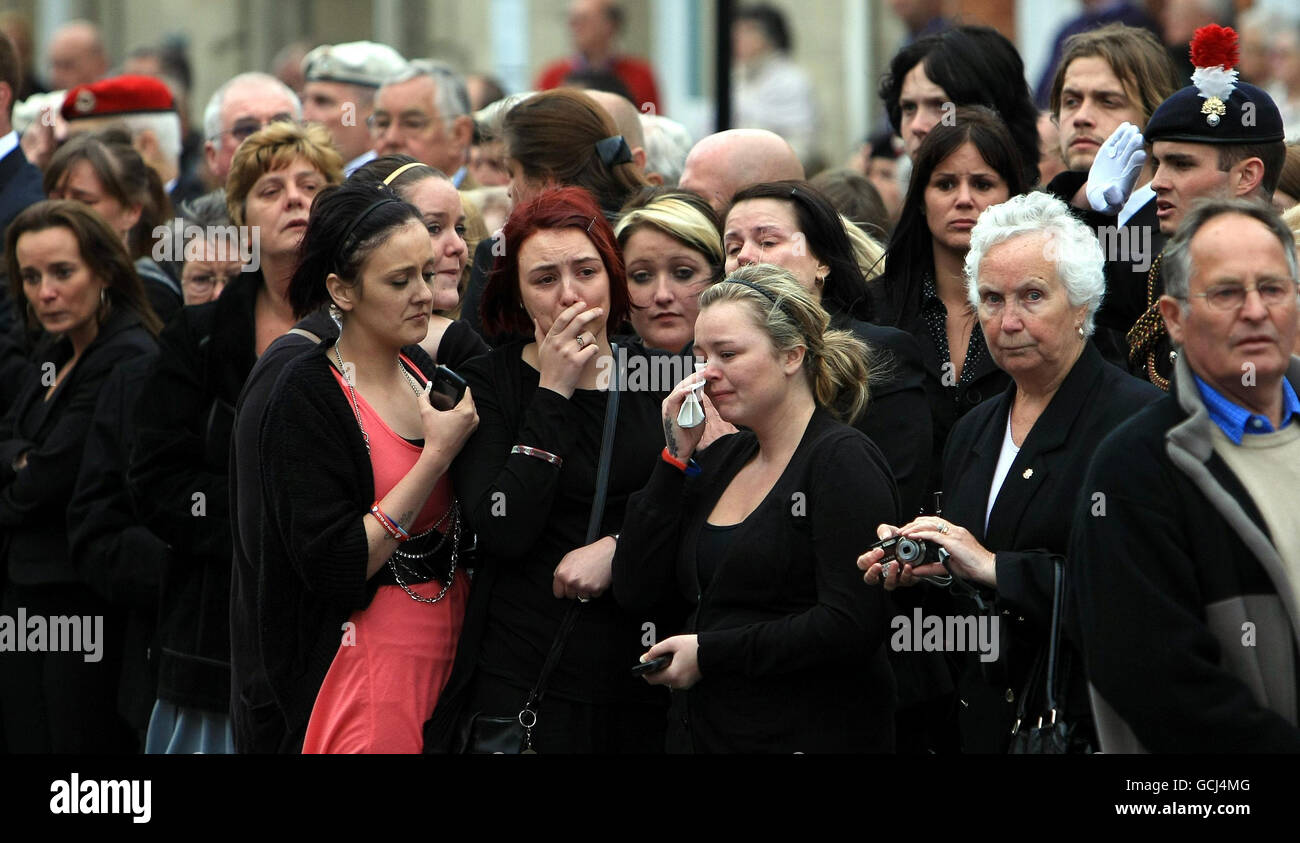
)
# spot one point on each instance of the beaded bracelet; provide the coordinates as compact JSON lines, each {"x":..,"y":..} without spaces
{"x":690,"y":468}
{"x":390,"y":526}
{"x":529,"y":451}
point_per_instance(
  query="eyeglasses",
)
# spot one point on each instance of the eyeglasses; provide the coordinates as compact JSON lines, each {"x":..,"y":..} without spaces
{"x":1229,"y":297}
{"x":408,"y":124}
{"x":204,"y":283}
{"x":247,"y":127}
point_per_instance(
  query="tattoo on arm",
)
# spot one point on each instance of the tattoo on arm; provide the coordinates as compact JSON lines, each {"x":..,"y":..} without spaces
{"x":669,"y":439}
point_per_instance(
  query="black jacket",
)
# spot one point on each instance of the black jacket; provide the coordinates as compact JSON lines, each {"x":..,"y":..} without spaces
{"x":897,"y":417}
{"x":121,"y":559}
{"x":1189,"y":633}
{"x":1029,"y":526}
{"x":177,"y":479}
{"x":34,"y":501}
{"x":790,"y":640}
{"x":20,"y":186}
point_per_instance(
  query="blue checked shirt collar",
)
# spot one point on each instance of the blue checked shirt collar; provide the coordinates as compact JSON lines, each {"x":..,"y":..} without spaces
{"x":1236,"y":421}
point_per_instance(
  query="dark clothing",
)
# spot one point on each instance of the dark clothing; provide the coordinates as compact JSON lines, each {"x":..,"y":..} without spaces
{"x":1028,"y":528}
{"x":256,"y":718}
{"x":286,"y":616}
{"x":897,"y":417}
{"x":1169,"y":584}
{"x":34,"y":501}
{"x":949,"y":398}
{"x":20,"y":186}
{"x":162,"y":290}
{"x":471,"y":302}
{"x":459,"y":345}
{"x":528,"y":513}
{"x":178,"y":481}
{"x":58,"y":701}
{"x":120,"y":558}
{"x":790,"y":642}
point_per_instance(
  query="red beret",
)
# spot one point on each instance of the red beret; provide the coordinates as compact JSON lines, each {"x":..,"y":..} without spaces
{"x":118,"y":95}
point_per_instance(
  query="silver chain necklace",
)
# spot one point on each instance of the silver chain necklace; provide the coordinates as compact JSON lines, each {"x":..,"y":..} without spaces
{"x":453,"y":511}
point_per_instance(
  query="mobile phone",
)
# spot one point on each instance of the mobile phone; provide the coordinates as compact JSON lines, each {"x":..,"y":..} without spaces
{"x":448,"y":389}
{"x":652,"y":666}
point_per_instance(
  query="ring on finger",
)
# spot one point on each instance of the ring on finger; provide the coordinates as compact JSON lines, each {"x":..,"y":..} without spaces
{"x":943,"y":528}
{"x":582,"y":342}
{"x":583,"y":599}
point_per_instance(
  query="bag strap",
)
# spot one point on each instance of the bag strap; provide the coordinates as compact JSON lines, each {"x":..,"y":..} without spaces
{"x":303,"y":332}
{"x":593,"y":530}
{"x":1054,"y":641}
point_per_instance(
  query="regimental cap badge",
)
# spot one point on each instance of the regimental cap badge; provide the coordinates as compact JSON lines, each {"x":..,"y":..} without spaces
{"x":85,"y":102}
{"x":1214,"y":53}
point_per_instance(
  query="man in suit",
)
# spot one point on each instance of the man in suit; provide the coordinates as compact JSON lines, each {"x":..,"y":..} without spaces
{"x":1183,"y":553}
{"x":1107,"y":77}
{"x":20,"y":186}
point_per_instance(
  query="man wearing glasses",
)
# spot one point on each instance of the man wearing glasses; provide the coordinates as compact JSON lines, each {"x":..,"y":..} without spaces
{"x":237,"y":109}
{"x":423,"y":112}
{"x":1185,"y":559}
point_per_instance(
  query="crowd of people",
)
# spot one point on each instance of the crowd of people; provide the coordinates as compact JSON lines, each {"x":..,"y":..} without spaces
{"x":388,"y":412}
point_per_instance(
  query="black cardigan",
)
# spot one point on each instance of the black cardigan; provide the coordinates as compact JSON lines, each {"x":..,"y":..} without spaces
{"x":184,"y":420}
{"x":790,"y":639}
{"x":34,"y":501}
{"x":1029,"y":526}
{"x":300,"y":482}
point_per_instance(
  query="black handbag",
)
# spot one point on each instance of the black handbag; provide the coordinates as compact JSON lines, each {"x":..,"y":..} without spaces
{"x":1052,"y":735}
{"x":484,"y":734}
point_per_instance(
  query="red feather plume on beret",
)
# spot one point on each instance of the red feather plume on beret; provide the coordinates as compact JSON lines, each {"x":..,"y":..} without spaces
{"x":1215,"y":46}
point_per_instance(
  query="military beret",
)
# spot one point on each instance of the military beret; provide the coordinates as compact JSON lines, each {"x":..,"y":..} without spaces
{"x":362,"y":63}
{"x":115,"y":96}
{"x":1216,"y":108}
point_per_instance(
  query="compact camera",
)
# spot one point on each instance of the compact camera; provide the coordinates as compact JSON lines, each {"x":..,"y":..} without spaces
{"x":914,"y":552}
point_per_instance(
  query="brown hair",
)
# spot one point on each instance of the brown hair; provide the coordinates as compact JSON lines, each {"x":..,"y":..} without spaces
{"x":553,"y":136}
{"x":10,"y":72}
{"x":273,"y":147}
{"x":1289,"y":181}
{"x":101,"y":250}
{"x":123,"y":175}
{"x":1135,"y":56}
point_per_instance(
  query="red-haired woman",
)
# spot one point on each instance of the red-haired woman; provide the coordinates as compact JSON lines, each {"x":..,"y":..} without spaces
{"x":527,"y":478}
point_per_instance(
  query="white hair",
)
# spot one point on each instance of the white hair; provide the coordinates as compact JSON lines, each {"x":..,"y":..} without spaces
{"x":166,"y":127}
{"x":1070,"y":245}
{"x":451,"y":94}
{"x":667,"y":143}
{"x":212,"y":114}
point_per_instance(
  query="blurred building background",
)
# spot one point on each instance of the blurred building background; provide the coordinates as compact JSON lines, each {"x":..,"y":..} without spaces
{"x":842,"y":44}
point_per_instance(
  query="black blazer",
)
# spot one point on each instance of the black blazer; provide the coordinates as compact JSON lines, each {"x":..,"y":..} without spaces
{"x":1029,"y":526}
{"x":20,"y":186}
{"x":34,"y":501}
{"x":790,"y":640}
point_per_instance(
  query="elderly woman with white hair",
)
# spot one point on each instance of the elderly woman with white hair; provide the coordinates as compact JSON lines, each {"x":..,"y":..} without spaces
{"x":1013,"y":465}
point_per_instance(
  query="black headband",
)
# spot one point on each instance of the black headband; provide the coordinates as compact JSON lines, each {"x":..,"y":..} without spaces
{"x":613,"y":150}
{"x":356,"y":223}
{"x":752,"y":286}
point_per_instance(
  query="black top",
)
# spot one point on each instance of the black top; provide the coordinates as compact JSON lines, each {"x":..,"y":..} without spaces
{"x":791,"y":642}
{"x":34,"y":501}
{"x":715,"y":541}
{"x":1029,"y":526}
{"x":528,"y":513}
{"x":897,"y":417}
{"x":185,"y":417}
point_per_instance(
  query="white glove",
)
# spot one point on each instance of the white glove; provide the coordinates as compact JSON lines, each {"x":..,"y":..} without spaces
{"x":1115,"y":169}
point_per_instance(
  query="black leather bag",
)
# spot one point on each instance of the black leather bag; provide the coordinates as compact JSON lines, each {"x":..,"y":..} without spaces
{"x":1052,"y":735}
{"x":486,"y":734}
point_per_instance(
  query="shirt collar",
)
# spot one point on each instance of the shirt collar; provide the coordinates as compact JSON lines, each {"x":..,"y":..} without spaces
{"x":8,"y":143}
{"x":1236,"y":421}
